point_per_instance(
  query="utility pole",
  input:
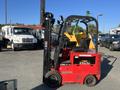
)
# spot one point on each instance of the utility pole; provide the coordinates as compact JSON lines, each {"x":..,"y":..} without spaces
{"x":42,"y":11}
{"x":98,"y":18}
{"x":6,"y":12}
{"x":99,"y":15}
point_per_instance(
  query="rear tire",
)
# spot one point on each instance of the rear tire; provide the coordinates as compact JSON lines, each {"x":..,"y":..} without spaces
{"x":90,"y":81}
{"x":53,"y":79}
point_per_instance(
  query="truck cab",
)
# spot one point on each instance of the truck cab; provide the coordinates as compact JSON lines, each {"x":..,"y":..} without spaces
{"x":18,"y":37}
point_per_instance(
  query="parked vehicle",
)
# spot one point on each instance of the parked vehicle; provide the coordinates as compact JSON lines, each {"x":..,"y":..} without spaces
{"x":112,"y":42}
{"x":18,"y":37}
{"x":101,"y":39}
{"x":39,"y":34}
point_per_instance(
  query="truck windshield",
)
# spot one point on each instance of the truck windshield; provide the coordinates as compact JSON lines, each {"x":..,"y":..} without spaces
{"x":22,"y":31}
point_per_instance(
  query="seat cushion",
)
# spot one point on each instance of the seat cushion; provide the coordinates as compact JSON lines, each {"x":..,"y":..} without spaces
{"x":79,"y":49}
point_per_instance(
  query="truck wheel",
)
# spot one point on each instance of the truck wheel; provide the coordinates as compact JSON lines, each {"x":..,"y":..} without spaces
{"x":53,"y":79}
{"x":90,"y":81}
{"x":111,"y":48}
{"x":13,"y":47}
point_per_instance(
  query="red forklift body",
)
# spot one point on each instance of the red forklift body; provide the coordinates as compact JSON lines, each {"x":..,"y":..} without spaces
{"x":80,"y":66}
{"x":72,"y":62}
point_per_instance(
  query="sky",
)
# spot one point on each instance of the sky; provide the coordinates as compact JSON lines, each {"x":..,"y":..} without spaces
{"x":28,"y":11}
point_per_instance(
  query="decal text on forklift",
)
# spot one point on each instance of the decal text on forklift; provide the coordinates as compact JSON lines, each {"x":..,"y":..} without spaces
{"x":82,"y":55}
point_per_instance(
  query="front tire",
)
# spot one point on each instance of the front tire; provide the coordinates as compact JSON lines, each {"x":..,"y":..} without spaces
{"x":13,"y":47}
{"x":90,"y":81}
{"x":53,"y":79}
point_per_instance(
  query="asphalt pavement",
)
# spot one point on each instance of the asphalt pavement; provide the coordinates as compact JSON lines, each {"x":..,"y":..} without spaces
{"x":26,"y":67}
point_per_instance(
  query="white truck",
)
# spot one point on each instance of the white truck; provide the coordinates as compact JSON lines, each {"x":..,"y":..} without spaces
{"x":18,"y":37}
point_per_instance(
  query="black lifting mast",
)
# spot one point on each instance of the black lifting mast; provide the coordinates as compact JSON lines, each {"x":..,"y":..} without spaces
{"x":48,"y":24}
{"x":47,"y":21}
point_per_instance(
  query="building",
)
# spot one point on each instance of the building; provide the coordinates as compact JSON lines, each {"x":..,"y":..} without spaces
{"x":115,"y":30}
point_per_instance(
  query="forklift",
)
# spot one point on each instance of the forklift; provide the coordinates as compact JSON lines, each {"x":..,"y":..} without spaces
{"x":75,"y":57}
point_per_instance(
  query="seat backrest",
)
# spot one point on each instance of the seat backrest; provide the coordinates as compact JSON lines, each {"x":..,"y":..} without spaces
{"x":84,"y":43}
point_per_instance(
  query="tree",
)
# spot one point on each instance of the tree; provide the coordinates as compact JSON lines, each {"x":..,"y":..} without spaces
{"x":74,"y":29}
{"x":92,"y":29}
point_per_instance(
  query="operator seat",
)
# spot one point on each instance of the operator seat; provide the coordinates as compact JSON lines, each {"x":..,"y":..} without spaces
{"x":83,"y":45}
{"x":83,"y":42}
